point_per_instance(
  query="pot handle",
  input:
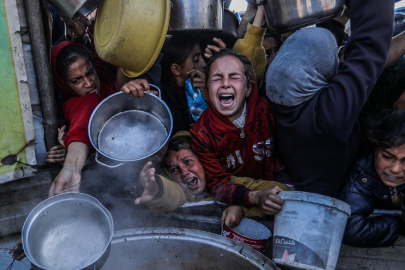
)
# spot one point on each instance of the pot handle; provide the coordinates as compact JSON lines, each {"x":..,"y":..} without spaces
{"x":157,"y":89}
{"x":105,"y":165}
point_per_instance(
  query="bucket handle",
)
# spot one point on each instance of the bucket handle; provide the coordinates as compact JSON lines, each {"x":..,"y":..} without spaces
{"x":105,"y":165}
{"x":157,"y":89}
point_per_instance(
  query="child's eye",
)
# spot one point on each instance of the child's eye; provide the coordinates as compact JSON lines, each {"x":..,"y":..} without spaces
{"x":172,"y":170}
{"x":187,"y":161}
{"x":386,"y":157}
{"x":75,"y":81}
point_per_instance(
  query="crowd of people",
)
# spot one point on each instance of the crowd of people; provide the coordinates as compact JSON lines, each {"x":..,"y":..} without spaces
{"x":322,"y":112}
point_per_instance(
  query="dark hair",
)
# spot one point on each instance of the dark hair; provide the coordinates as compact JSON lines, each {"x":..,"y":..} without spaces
{"x":247,"y":65}
{"x":389,"y":131}
{"x":178,"y":143}
{"x":175,"y":51}
{"x":68,"y":56}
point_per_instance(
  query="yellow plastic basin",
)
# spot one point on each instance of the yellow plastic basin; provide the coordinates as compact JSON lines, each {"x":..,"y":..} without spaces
{"x":131,"y":33}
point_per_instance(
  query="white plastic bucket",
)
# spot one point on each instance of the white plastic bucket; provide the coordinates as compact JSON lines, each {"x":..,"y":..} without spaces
{"x":308,"y":231}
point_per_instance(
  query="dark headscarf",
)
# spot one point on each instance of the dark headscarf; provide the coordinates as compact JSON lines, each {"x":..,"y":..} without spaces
{"x":306,"y":63}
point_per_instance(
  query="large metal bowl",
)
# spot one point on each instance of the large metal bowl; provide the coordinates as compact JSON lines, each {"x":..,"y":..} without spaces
{"x":288,"y":15}
{"x":125,"y":129}
{"x":67,"y":231}
{"x":177,"y":249}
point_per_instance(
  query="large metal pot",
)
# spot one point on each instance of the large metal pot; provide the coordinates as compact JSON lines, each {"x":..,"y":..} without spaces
{"x":68,"y":231}
{"x":191,"y":15}
{"x":174,"y":248}
{"x":67,"y":9}
{"x":287,"y":15}
{"x":125,"y":129}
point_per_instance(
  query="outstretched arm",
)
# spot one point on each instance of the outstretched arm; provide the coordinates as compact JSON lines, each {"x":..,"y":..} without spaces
{"x":68,"y":179}
{"x":365,"y":56}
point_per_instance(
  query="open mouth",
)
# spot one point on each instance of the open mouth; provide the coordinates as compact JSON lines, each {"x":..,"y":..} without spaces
{"x":92,"y":91}
{"x":192,"y":183}
{"x":226,"y":99}
{"x":393,"y":178}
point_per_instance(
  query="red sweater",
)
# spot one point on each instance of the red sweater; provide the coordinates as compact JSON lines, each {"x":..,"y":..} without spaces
{"x":77,"y":110}
{"x":220,"y":148}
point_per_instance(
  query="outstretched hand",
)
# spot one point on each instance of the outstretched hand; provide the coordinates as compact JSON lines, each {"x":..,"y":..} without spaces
{"x":148,"y":182}
{"x":268,"y":201}
{"x":68,"y":180}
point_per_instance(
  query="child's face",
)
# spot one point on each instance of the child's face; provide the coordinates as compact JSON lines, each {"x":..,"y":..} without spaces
{"x":186,"y":169}
{"x":390,"y":165}
{"x":82,"y":78}
{"x":227,"y":86}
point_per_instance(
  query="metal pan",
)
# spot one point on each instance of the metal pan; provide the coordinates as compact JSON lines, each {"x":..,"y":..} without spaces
{"x":68,"y":231}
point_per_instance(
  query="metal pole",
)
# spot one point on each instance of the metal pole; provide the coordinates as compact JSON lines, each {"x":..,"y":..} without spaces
{"x":43,"y":72}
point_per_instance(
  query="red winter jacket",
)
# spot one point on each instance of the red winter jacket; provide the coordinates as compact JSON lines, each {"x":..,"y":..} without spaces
{"x":223,"y":152}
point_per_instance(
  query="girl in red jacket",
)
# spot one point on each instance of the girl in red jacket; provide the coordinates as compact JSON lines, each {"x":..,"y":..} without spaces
{"x":235,"y":135}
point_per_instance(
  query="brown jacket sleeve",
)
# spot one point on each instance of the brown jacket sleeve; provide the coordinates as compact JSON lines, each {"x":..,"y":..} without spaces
{"x":253,"y":184}
{"x":172,"y":197}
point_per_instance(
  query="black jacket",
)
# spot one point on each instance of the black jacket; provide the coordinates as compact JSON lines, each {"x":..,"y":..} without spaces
{"x":319,"y":139}
{"x":364,"y":192}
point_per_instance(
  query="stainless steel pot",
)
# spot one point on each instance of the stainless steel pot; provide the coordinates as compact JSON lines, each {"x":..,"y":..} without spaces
{"x":174,"y":248}
{"x":192,"y":15}
{"x":288,"y":15}
{"x":125,"y":129}
{"x":67,"y":9}
{"x":68,"y":231}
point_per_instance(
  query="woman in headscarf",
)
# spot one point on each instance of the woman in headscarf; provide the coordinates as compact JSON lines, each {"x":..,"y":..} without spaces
{"x":317,"y":108}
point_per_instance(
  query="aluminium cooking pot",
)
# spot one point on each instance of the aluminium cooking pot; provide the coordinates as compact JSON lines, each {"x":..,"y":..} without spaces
{"x":124,"y":129}
{"x":67,"y":9}
{"x":68,"y":231}
{"x":175,"y":248}
{"x":188,"y":16}
{"x":288,"y":15}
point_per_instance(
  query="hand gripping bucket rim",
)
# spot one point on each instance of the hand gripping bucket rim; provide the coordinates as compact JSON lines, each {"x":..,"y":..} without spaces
{"x":308,"y":231}
{"x":252,"y":233}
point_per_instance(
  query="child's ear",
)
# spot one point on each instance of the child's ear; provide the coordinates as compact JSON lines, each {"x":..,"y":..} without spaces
{"x":175,"y":68}
{"x":249,"y":90}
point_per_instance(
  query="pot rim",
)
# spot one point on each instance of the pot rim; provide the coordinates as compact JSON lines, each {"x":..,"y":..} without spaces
{"x":235,"y":247}
{"x":40,"y":208}
{"x":130,"y":160}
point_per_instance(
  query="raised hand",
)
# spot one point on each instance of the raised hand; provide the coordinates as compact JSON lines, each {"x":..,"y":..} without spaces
{"x":148,"y":184}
